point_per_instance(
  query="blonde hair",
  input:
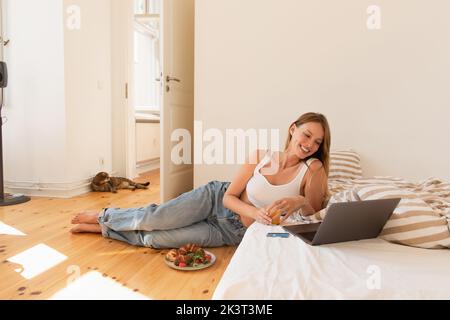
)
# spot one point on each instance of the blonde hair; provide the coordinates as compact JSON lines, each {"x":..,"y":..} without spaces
{"x":323,"y":153}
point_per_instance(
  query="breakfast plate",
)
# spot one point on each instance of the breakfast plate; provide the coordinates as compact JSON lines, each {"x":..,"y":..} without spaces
{"x":195,"y":266}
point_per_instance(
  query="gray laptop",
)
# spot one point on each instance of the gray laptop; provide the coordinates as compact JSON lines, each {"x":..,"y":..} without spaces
{"x":347,"y":221}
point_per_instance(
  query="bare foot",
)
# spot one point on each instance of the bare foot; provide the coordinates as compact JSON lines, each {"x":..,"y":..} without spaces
{"x":89,"y":217}
{"x":87,"y":228}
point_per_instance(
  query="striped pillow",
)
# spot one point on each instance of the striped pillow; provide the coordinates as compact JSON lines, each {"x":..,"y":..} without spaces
{"x":413,"y":222}
{"x":345,"y":165}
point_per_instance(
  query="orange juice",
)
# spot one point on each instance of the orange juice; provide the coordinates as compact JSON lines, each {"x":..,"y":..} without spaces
{"x":276,"y":217}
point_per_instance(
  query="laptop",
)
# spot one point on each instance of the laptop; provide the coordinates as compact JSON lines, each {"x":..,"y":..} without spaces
{"x":347,"y":221}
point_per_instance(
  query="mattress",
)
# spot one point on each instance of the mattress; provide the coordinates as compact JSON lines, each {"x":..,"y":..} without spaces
{"x":287,"y":268}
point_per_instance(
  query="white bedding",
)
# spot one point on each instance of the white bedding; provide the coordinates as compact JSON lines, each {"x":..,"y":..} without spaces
{"x":277,"y":268}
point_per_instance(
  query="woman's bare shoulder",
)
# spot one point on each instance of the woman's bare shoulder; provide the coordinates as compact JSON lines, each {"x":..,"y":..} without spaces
{"x":315,"y":165}
{"x":246,"y":171}
{"x":315,"y":170}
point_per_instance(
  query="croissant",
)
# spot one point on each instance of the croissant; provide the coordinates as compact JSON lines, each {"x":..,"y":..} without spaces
{"x":188,"y":248}
{"x":192,"y":247}
{"x":172,"y":255}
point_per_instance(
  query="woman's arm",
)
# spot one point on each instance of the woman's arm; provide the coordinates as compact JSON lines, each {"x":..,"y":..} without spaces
{"x":231,"y":199}
{"x":315,"y":189}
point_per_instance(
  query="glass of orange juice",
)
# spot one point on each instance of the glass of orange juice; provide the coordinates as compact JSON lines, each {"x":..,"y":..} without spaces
{"x":276,"y":216}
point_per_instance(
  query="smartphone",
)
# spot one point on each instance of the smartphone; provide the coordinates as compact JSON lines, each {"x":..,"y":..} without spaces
{"x":278,"y":235}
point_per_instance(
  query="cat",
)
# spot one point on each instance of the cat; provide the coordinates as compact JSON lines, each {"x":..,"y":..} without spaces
{"x":102,"y":182}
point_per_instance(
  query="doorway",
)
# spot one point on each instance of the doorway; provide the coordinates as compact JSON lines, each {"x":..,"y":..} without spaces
{"x":153,"y":90}
{"x":147,"y":83}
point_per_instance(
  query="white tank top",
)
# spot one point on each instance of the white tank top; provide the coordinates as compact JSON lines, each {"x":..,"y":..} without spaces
{"x":262,"y":193}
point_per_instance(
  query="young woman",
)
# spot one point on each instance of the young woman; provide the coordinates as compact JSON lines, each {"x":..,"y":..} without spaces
{"x":219,"y":213}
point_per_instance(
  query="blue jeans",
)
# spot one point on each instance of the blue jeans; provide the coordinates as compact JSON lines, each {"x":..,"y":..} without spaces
{"x":196,"y":217}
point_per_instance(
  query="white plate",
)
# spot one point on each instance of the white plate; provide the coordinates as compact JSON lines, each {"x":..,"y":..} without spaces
{"x":203,"y":266}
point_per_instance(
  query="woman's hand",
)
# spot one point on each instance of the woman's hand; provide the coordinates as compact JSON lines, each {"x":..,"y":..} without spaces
{"x":287,"y":206}
{"x":261,"y":215}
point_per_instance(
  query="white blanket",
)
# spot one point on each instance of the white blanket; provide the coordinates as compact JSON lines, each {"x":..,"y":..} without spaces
{"x":277,"y":268}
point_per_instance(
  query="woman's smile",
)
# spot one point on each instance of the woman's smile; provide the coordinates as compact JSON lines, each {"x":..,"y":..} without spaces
{"x":304,"y":150}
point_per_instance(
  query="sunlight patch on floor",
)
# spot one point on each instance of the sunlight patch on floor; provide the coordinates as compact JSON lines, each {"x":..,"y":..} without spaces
{"x":36,"y":260}
{"x":94,"y":286}
{"x":10,"y":231}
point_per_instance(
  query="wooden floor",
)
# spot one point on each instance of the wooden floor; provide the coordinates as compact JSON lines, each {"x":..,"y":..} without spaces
{"x":90,"y":266}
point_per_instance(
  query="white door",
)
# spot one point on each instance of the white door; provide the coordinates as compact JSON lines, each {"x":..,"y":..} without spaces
{"x":2,"y":41}
{"x":177,"y":110}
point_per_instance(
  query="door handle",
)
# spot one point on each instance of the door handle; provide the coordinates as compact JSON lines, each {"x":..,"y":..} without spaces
{"x":4,"y":41}
{"x":169,"y":78}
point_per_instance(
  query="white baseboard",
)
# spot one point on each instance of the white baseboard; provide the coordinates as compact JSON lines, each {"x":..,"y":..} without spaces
{"x":65,"y":189}
{"x":149,"y":165}
{"x":51,"y":190}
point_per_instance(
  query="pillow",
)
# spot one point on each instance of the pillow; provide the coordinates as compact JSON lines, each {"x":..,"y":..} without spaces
{"x":414,"y":222}
{"x":345,"y":165}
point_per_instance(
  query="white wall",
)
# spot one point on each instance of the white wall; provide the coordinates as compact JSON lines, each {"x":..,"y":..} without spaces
{"x":123,"y":133}
{"x":118,"y":74}
{"x":34,"y":136}
{"x":88,"y":90}
{"x":260,"y":64}
{"x":59,"y":98}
